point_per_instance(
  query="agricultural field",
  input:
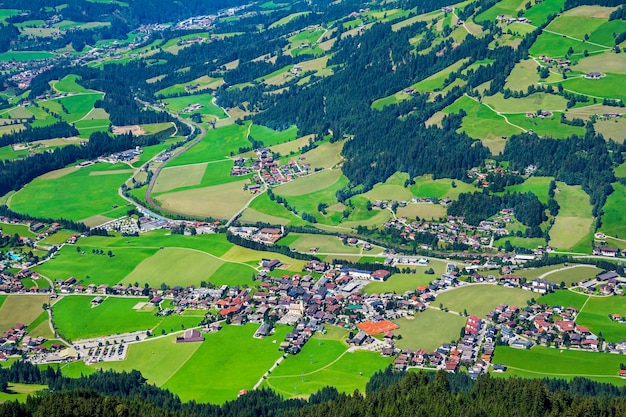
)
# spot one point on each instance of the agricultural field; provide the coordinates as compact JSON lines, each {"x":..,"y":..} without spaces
{"x":400,"y":283}
{"x":483,"y":123}
{"x":539,"y":186}
{"x":216,"y":145}
{"x":208,"y":108}
{"x":324,"y":243}
{"x":165,"y":266}
{"x":90,"y":268}
{"x":595,"y":315}
{"x":574,"y":221}
{"x":20,"y":309}
{"x":113,"y":316}
{"x":323,"y":360}
{"x":271,"y":137}
{"x":426,"y":186}
{"x":564,"y":298}
{"x":428,"y":330}
{"x":481,"y":298}
{"x":614,"y":213}
{"x":77,"y":194}
{"x":542,"y":362}
{"x":571,"y":274}
{"x":20,"y":392}
{"x":225,"y":363}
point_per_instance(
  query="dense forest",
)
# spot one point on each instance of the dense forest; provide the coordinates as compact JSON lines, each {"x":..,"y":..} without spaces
{"x":389,"y":393}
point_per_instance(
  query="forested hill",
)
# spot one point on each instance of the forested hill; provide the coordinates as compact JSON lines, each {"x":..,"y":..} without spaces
{"x":389,"y":393}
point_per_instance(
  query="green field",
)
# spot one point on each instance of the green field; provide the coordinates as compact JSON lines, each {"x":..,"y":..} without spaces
{"x":570,"y":274}
{"x":225,"y":363}
{"x":69,"y":85}
{"x":614,"y":212}
{"x":167,"y":266}
{"x":265,"y":210}
{"x":77,"y":195}
{"x":271,"y":137}
{"x":20,"y":392}
{"x":539,"y":13}
{"x":25,"y":55}
{"x":113,"y":316}
{"x":177,"y":104}
{"x":564,"y":298}
{"x":595,"y":315}
{"x":325,"y":244}
{"x":531,"y":103}
{"x":542,"y":362}
{"x":574,"y":221}
{"x":216,"y":145}
{"x":20,"y":309}
{"x":603,"y":88}
{"x":505,"y":7}
{"x":323,"y":359}
{"x":20,"y":229}
{"x":428,"y":330}
{"x":400,"y":283}
{"x":482,"y":298}
{"x":482,"y":123}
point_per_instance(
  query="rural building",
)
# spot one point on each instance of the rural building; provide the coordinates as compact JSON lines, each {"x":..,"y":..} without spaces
{"x":380,"y":275}
{"x":191,"y":335}
{"x":593,"y":75}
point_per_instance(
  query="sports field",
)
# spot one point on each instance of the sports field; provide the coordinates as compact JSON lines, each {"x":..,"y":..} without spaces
{"x":542,"y":362}
{"x":479,"y":299}
{"x":20,"y":309}
{"x":428,"y":330}
{"x":76,"y":195}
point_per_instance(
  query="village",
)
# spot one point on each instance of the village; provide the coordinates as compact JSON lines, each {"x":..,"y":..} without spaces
{"x":269,"y":171}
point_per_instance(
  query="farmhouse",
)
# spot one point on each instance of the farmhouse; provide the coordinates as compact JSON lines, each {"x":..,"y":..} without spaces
{"x":593,"y":75}
{"x":191,"y":335}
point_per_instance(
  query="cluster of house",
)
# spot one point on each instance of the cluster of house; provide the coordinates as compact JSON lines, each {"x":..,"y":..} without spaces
{"x":606,"y":283}
{"x":17,"y":341}
{"x":544,"y":325}
{"x":452,"y":230}
{"x":508,"y":20}
{"x":266,"y":235}
{"x":192,"y":108}
{"x":609,"y":251}
{"x":25,"y":71}
{"x":563,"y":64}
{"x":542,"y":114}
{"x":125,"y":156}
{"x":269,"y":171}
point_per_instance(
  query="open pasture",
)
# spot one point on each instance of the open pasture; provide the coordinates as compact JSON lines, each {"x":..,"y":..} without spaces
{"x":531,"y":103}
{"x":575,"y":217}
{"x":324,"y":243}
{"x":483,"y":123}
{"x":180,"y":176}
{"x":543,"y":362}
{"x":270,"y":212}
{"x":423,"y":211}
{"x":564,"y":298}
{"x":93,"y":268}
{"x":113,"y":316}
{"x":253,"y":258}
{"x":505,"y":7}
{"x":595,"y":315}
{"x":571,"y":274}
{"x":20,"y":392}
{"x":203,"y":83}
{"x":156,"y":359}
{"x":425,"y":186}
{"x":401,"y":283}
{"x":216,"y":145}
{"x":613,"y":129}
{"x":69,"y":84}
{"x":271,"y":137}
{"x":309,"y":184}
{"x":76,"y":195}
{"x":175,"y":267}
{"x":225,"y":363}
{"x":614,"y":212}
{"x":325,"y":359}
{"x":603,"y":88}
{"x":178,"y":104}
{"x":218,"y":201}
{"x":479,"y":299}
{"x":429,"y":329}
{"x":524,"y":74}
{"x":20,"y":309}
